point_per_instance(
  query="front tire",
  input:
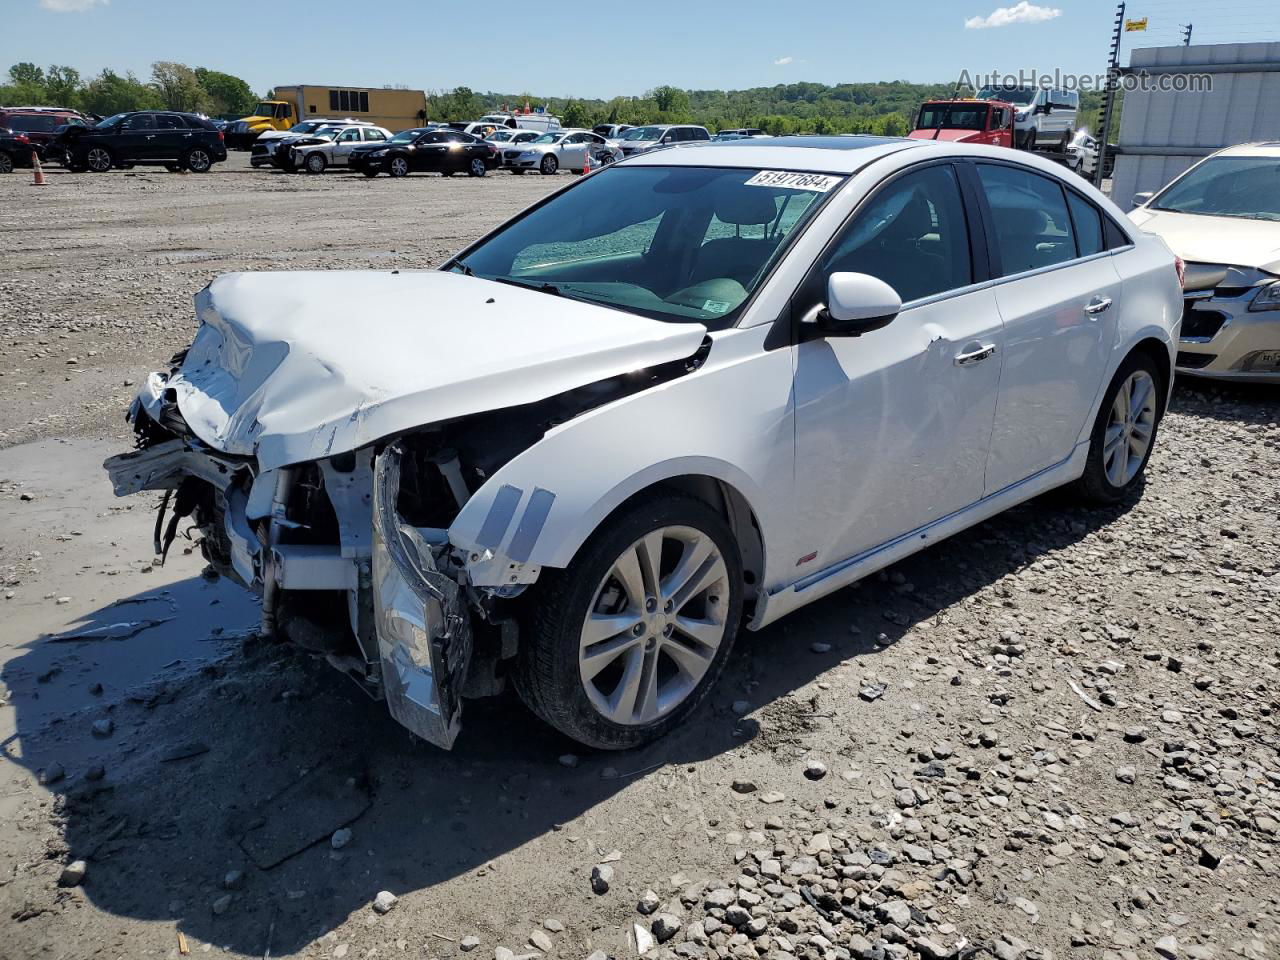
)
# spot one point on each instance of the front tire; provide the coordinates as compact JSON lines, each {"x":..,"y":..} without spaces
{"x":6,"y":162}
{"x":549,"y":165}
{"x":315,"y":163}
{"x":398,"y":167}
{"x":1124,"y":433}
{"x":626,"y":641}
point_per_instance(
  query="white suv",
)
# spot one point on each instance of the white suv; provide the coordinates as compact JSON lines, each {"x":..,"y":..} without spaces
{"x":693,"y":391}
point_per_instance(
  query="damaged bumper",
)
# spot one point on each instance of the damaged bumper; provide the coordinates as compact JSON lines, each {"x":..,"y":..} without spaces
{"x":410,"y":638}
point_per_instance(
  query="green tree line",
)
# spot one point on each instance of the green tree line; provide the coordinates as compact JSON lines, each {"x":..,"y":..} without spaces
{"x":173,"y":86}
{"x":885,"y":109}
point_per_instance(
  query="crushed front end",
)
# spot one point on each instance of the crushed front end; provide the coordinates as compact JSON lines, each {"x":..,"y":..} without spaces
{"x":339,"y":571}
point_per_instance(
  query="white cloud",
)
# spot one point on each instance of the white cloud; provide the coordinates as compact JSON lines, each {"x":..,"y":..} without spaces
{"x":72,"y":6}
{"x":1023,"y":12}
{"x":783,"y":61}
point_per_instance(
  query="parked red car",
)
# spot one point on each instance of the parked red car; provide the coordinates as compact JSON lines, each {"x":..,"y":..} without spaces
{"x":40,"y":124}
{"x":965,"y":121}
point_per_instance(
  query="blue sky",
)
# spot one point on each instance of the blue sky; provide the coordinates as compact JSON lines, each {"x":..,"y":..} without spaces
{"x":598,"y":49}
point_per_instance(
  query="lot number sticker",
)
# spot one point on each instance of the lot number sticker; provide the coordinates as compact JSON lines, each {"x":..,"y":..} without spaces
{"x":817,"y":182}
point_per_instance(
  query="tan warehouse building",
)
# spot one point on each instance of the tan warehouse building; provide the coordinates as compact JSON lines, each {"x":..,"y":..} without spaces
{"x":393,"y":109}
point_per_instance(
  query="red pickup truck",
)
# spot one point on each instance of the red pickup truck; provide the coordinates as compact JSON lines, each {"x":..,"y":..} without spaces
{"x":965,"y":121}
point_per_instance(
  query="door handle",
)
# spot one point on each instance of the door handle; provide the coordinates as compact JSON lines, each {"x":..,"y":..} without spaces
{"x":150,"y":136}
{"x":975,"y":356}
{"x":1097,"y":305}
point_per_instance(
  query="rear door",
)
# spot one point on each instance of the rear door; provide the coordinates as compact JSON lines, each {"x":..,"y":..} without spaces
{"x":171,"y":138}
{"x":1059,"y":297}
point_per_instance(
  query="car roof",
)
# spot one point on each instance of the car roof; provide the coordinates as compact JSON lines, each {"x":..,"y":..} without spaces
{"x":826,"y":154}
{"x":1264,"y":148}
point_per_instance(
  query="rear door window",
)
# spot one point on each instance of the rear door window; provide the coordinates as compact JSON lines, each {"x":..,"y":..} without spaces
{"x":1029,"y":213}
{"x":1087,"y":222}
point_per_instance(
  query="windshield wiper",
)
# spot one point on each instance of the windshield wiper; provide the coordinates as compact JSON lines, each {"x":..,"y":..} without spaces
{"x":456,"y":264}
{"x":540,"y":286}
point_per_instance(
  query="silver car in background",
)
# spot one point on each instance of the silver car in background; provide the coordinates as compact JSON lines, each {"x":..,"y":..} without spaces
{"x":565,"y":149}
{"x":640,"y":139}
{"x":1223,"y":218}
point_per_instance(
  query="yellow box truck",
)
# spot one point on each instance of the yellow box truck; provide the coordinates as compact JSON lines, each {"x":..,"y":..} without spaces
{"x":395,"y":109}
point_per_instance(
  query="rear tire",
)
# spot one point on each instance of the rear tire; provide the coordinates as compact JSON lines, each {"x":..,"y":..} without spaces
{"x":477,"y":168}
{"x":666,"y":655}
{"x":197,"y":160}
{"x":1124,"y":433}
{"x":1029,"y":143}
{"x":98,"y":159}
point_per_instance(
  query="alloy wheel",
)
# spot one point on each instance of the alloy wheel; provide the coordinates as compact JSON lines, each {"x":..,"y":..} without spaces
{"x":654,"y":626}
{"x":198,"y":161}
{"x":1129,"y":428}
{"x":6,"y":163}
{"x":477,"y":167}
{"x":98,"y":160}
{"x":399,"y":167}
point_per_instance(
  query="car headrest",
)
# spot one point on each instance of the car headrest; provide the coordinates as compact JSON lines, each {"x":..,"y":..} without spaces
{"x":745,"y":206}
{"x":1024,"y":221}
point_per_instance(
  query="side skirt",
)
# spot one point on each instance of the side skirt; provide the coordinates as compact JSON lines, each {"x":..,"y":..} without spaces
{"x":778,"y":603}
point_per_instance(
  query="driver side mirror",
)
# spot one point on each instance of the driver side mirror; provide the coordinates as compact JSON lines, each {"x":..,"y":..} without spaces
{"x":857,"y":303}
{"x":1142,"y":199}
{"x":1046,"y":108}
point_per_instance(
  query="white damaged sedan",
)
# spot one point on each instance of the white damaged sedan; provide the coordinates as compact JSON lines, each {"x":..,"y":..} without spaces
{"x":691,"y":392}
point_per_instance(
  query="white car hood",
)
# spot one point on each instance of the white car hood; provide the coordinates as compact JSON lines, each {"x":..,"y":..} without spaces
{"x":1228,"y":240}
{"x":302,"y":365}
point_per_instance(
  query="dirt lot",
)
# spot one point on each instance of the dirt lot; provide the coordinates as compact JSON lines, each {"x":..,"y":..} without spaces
{"x":1052,"y":736}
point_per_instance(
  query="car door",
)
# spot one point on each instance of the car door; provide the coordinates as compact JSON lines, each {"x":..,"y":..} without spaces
{"x":429,"y":152}
{"x":343,"y":144}
{"x":893,"y":426}
{"x":172,"y":137}
{"x":136,"y":138}
{"x":371,"y":135}
{"x":1059,"y":297}
{"x":573,"y":151}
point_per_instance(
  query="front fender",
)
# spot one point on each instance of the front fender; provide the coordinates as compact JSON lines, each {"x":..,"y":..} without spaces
{"x":730,"y":420}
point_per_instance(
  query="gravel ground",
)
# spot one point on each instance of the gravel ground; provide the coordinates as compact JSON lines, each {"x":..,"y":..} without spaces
{"x":1051,"y":736}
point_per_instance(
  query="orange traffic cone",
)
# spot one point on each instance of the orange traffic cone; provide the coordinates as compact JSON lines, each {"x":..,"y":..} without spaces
{"x":37,"y":179}
{"x":586,"y":164}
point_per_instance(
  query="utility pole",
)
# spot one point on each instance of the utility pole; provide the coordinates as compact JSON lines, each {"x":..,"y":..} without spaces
{"x":1186,"y":34}
{"x":1113,"y":81}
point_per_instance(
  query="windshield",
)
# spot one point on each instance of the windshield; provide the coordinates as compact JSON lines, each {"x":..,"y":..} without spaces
{"x":264,"y":110}
{"x":327,"y":133}
{"x":1245,"y":187}
{"x":549,"y":138}
{"x":643,"y":133}
{"x":111,"y":121}
{"x":1016,"y":95}
{"x":952,"y":116}
{"x":407,"y":136}
{"x":604,"y":240}
{"x":500,"y":136}
{"x":305,"y":127}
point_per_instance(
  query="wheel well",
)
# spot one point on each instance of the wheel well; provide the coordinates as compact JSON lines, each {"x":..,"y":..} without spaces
{"x":1159,"y":355}
{"x":735,"y":509}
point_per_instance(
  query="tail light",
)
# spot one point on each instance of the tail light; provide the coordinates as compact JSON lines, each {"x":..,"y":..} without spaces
{"x":221,"y":135}
{"x":22,"y":138}
{"x":1180,"y":265}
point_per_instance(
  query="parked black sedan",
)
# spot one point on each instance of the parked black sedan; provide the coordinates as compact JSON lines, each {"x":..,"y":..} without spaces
{"x":428,"y":150}
{"x":172,"y":140}
{"x":15,"y":150}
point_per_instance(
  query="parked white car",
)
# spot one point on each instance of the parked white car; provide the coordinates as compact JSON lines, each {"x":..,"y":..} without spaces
{"x":328,"y":147}
{"x":1223,"y":218}
{"x":641,"y":139}
{"x":267,"y":141}
{"x":506,"y":137}
{"x":696,"y":390}
{"x":1043,"y":118}
{"x":563,"y":149}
